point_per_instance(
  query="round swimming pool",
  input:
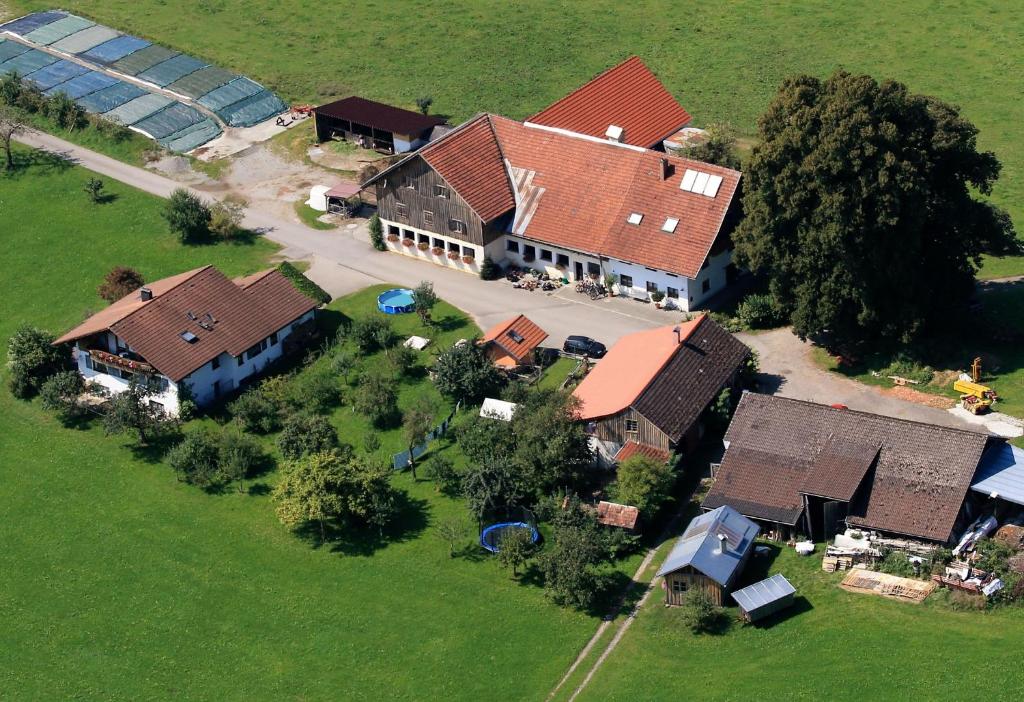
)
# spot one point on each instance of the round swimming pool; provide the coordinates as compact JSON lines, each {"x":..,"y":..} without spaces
{"x":490,"y":538}
{"x":396,"y":301}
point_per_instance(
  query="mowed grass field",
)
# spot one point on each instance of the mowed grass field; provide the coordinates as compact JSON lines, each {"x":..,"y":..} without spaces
{"x":119,"y":582}
{"x":723,"y":61}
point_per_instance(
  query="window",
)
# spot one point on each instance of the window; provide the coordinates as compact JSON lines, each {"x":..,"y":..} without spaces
{"x":423,"y":238}
{"x":512,"y":246}
{"x":162,"y":384}
{"x":407,"y":234}
{"x":156,"y":406}
{"x":469,"y":251}
{"x":402,"y":210}
{"x":632,"y":425}
{"x":440,"y":191}
{"x":392,"y":229}
{"x":635,"y":218}
{"x":705,"y":286}
{"x":562,"y":260}
{"x":438,"y":243}
{"x":273,"y":339}
{"x":428,"y":218}
{"x":255,"y":351}
{"x":215,"y":363}
{"x":529,"y":252}
{"x":408,"y":182}
{"x":652,"y":287}
{"x":593,"y":268}
{"x":672,"y":292}
{"x":457,"y":226}
{"x":545,"y":255}
{"x":453,"y":246}
{"x":240,"y":359}
{"x":680,"y":585}
{"x":670,"y":225}
{"x":626,"y":281}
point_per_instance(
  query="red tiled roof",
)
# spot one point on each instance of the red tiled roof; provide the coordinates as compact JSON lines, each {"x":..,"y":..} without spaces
{"x":582,"y":190}
{"x":470,"y":160}
{"x":632,"y":448}
{"x":627,"y":96}
{"x":244,"y":311}
{"x":530,"y":334}
{"x":614,"y":514}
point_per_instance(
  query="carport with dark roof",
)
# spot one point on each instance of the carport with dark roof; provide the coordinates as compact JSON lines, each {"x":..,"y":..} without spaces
{"x":374,"y":125}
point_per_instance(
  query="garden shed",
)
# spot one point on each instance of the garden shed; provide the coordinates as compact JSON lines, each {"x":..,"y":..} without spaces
{"x":764,"y":598}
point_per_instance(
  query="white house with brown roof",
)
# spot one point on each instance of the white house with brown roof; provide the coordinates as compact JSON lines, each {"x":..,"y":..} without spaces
{"x":198,"y":329}
{"x":575,"y":205}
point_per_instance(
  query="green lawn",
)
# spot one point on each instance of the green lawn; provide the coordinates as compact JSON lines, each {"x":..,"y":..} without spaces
{"x":119,"y":582}
{"x":557,"y":372}
{"x":722,"y":60}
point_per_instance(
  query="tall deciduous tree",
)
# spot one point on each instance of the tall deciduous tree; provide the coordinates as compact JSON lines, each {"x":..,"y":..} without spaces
{"x":464,"y":372}
{"x":860,"y":207}
{"x":12,"y":123}
{"x":644,"y":483}
{"x":187,"y":216}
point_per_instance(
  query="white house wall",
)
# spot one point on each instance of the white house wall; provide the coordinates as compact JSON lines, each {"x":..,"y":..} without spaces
{"x":442,"y":260}
{"x":116,"y":385}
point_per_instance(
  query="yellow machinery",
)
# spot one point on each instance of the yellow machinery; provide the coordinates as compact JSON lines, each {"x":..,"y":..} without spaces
{"x":975,"y":397}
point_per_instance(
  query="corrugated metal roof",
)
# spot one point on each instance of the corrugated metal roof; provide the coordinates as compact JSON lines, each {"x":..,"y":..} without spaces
{"x":699,"y":545}
{"x":1001,"y":473}
{"x":756,"y":596}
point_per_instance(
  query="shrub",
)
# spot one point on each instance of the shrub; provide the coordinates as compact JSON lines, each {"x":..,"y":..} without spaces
{"x":306,"y":434}
{"x":897,"y":563}
{"x":256,"y":412}
{"x":317,"y":391}
{"x":226,"y":218}
{"x":196,"y":459}
{"x":365,"y":332}
{"x":489,"y":270}
{"x":442,"y":471}
{"x":371,"y":441}
{"x":239,"y":456}
{"x":720,"y":411}
{"x":60,"y":392}
{"x":700,"y":613}
{"x":730,"y":324}
{"x":402,"y":361}
{"x":657,"y":296}
{"x":303,"y":284}
{"x":94,"y":189}
{"x":32,"y":358}
{"x":644,"y":483}
{"x":187,"y":216}
{"x":759,"y":311}
{"x":120,"y":281}
{"x":906,"y":367}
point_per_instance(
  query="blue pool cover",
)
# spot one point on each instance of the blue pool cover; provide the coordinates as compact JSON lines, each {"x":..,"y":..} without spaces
{"x":114,"y":50}
{"x":84,"y":85}
{"x":56,"y":73}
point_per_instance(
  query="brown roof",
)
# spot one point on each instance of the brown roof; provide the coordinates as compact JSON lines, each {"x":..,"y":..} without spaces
{"x":614,"y":514}
{"x":244,"y":311}
{"x":378,"y":115}
{"x":517,"y":336}
{"x":580,"y":192}
{"x":627,"y":96}
{"x":633,"y":448}
{"x":915,"y":486}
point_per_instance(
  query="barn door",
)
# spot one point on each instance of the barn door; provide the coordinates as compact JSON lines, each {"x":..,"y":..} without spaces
{"x":834,"y":512}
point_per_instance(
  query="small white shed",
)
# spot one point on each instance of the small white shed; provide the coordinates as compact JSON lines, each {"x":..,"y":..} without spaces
{"x":318,"y":198}
{"x":498,"y":409}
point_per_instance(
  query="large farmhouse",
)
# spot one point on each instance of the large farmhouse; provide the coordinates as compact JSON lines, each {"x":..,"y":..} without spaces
{"x":648,"y":393}
{"x":801,"y":467}
{"x":574,"y":204}
{"x":197,"y":329}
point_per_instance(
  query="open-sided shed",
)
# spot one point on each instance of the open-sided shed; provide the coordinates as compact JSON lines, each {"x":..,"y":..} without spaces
{"x":374,"y":125}
{"x":764,"y":598}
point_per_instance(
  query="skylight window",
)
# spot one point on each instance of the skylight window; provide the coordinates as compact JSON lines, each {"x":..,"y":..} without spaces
{"x":711,"y":189}
{"x":189,"y":337}
{"x":700,"y":182}
{"x":670,"y":225}
{"x":688,"y":179}
{"x":515,"y":336}
{"x":635,"y":218}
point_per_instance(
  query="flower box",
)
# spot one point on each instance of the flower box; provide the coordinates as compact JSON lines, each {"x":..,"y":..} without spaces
{"x":407,"y":242}
{"x":437,"y":251}
{"x":423,"y":246}
{"x":468,"y":260}
{"x":392,"y":237}
{"x":453,"y":255}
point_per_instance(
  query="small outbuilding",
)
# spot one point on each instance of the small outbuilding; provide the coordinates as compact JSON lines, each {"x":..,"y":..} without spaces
{"x":615,"y":515}
{"x":512,"y":343}
{"x":710,"y":555}
{"x":374,"y":125}
{"x":764,"y":598}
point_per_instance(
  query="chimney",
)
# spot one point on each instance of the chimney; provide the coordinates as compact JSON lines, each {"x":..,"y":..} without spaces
{"x":667,"y":169}
{"x":723,"y":543}
{"x":679,"y":334}
{"x":616,"y":134}
{"x":145,"y":294}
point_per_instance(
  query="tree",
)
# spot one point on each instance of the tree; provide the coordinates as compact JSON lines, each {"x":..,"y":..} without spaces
{"x":482,"y":439}
{"x":226,"y":218}
{"x":464,"y":372}
{"x":699,"y":612}
{"x":442,"y":471}
{"x":489,"y":270}
{"x":376,"y":229}
{"x":62,"y":109}
{"x":312,"y":489}
{"x":12,"y":123}
{"x":342,"y":364}
{"x":304,"y":434}
{"x":451,"y":532}
{"x":196,"y":459}
{"x":515,"y":548}
{"x":402,"y":361}
{"x":552,"y":445}
{"x":377,"y":398}
{"x":424,"y":103}
{"x":860,"y":209}
{"x":718,"y":147}
{"x":120,"y":281}
{"x":32,"y":358}
{"x":187,"y":216}
{"x":256,"y":412}
{"x":366,"y":332}
{"x":239,"y":456}
{"x":569,"y":565}
{"x":10,"y":88}
{"x":94,"y":189}
{"x":384,"y":337}
{"x":425,"y":299}
{"x":60,"y":394}
{"x":317,"y":390}
{"x":417,"y":422}
{"x":130,"y":411}
{"x":644,"y":483}
{"x":489,"y":486}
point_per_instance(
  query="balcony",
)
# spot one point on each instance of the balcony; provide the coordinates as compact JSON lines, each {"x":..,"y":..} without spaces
{"x":127,"y":363}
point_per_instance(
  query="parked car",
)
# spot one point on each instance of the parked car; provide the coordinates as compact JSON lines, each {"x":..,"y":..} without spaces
{"x":584,"y":346}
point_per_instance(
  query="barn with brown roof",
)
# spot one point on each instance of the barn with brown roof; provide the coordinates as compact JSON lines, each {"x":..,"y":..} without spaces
{"x":801,"y":467}
{"x":648,"y":393}
{"x":374,"y":125}
{"x":198,"y":329}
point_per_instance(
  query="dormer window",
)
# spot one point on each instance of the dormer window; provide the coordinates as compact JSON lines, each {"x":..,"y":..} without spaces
{"x":635,"y":218}
{"x":670,"y":225}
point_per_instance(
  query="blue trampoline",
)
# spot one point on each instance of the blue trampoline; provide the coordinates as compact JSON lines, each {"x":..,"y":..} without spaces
{"x":490,"y":538}
{"x":396,"y":301}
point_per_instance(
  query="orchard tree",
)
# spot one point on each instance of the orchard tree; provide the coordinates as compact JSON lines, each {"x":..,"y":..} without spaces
{"x":120,"y":281}
{"x":552,"y":445}
{"x":312,"y":489}
{"x":12,"y":123}
{"x":425,"y":299}
{"x":515,"y":548}
{"x":464,"y":372}
{"x":130,"y":411}
{"x":417,"y":422}
{"x":860,"y":207}
{"x":60,"y":394}
{"x":187,"y":216}
{"x":376,"y":397}
{"x":305,"y":434}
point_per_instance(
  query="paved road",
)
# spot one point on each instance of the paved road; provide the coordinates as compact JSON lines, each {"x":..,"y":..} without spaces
{"x":343,"y":261}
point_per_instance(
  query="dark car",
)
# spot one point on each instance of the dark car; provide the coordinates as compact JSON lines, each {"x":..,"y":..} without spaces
{"x":584,"y":346}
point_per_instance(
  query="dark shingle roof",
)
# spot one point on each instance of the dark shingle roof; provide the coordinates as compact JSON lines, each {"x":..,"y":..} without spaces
{"x":916,"y":488}
{"x":691,"y":379}
{"x":380,"y":116}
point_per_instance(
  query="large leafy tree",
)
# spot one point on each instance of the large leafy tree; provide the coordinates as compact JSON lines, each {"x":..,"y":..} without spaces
{"x":644,"y":482}
{"x":860,"y":206}
{"x":32,"y":358}
{"x":464,"y":372}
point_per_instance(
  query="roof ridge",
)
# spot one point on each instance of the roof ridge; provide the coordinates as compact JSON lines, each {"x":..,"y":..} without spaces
{"x":190,"y":275}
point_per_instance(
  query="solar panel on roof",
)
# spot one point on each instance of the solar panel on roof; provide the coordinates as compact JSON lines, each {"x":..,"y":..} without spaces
{"x":688,"y":178}
{"x":711,"y":189}
{"x":700,"y":182}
